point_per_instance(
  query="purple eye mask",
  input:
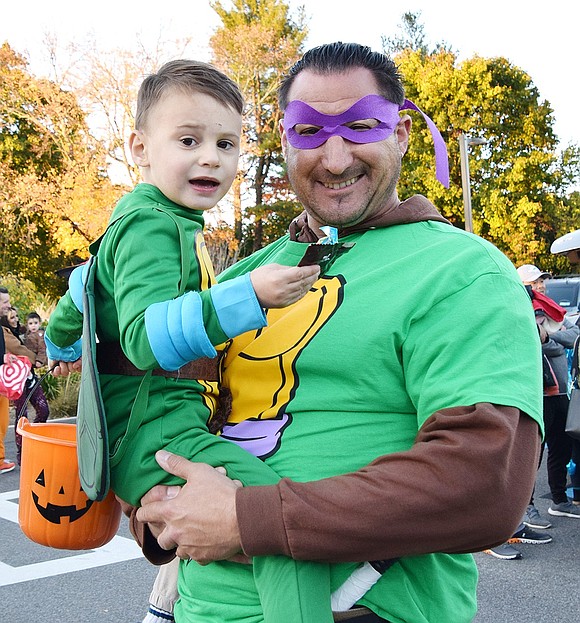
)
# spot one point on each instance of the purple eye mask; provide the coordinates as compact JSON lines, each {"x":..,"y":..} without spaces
{"x":368,"y":107}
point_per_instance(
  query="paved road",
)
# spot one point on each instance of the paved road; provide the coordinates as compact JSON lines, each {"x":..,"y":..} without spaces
{"x":112,"y":584}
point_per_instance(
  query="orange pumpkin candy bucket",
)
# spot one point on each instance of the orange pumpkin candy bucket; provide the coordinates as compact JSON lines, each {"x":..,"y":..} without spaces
{"x":53,"y":510}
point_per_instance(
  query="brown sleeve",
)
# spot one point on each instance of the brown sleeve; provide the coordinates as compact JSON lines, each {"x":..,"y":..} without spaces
{"x":462,"y":487}
{"x":15,"y":346}
{"x":146,"y":541}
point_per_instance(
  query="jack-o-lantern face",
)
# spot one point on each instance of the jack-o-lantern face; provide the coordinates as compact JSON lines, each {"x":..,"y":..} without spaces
{"x":53,"y":512}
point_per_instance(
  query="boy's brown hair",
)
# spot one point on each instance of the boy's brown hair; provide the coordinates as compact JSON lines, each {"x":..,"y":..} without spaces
{"x":189,"y":77}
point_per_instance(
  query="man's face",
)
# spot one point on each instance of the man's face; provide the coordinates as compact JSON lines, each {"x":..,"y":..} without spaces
{"x":4,"y":304}
{"x":539,"y":285}
{"x":341,"y":183}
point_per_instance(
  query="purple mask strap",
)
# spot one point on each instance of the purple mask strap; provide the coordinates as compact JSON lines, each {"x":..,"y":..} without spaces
{"x":441,"y":158}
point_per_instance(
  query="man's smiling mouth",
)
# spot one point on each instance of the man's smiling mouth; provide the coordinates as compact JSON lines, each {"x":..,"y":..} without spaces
{"x":339,"y":185}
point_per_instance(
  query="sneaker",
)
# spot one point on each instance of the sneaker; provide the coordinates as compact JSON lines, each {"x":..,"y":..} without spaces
{"x":504,"y":552}
{"x":533,"y":519}
{"x":564,"y":509}
{"x":526,"y":535}
{"x":6,"y":467}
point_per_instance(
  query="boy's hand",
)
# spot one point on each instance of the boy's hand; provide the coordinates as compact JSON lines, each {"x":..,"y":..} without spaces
{"x":64,"y":368}
{"x":280,"y":286}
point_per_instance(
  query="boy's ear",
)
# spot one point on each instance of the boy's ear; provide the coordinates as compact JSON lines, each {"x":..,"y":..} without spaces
{"x":137,"y":148}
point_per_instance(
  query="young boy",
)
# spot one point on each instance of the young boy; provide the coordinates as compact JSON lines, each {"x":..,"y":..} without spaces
{"x":34,"y":338}
{"x":158,"y":308}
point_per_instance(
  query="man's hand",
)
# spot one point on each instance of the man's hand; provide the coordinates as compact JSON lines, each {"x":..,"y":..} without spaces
{"x":198,"y":517}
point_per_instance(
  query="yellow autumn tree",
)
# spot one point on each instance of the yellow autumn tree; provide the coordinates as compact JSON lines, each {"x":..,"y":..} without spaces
{"x":55,"y":195}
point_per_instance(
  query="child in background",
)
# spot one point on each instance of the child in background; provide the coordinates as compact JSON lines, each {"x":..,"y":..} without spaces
{"x":34,"y":338}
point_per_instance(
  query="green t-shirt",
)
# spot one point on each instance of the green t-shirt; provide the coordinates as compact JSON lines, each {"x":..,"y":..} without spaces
{"x":414,"y":318}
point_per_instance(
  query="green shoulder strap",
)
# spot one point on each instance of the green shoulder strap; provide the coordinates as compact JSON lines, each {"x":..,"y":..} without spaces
{"x":92,"y":438}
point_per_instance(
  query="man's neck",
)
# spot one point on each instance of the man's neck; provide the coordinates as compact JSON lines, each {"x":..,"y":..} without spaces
{"x":391,"y":204}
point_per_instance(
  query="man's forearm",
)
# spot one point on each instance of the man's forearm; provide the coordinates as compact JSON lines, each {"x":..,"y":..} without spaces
{"x":427,"y":499}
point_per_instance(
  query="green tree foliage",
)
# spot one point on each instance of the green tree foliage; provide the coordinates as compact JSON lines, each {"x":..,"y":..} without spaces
{"x":256,"y":44}
{"x":518,"y":180}
{"x":55,"y":193}
{"x":26,"y":298}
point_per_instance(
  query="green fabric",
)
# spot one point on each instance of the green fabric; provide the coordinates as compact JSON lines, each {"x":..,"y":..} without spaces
{"x":415,"y":318}
{"x":92,"y":437}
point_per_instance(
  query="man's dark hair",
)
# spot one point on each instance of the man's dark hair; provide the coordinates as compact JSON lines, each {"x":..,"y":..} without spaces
{"x":338,"y":57}
{"x":189,"y":77}
{"x":4,"y":290}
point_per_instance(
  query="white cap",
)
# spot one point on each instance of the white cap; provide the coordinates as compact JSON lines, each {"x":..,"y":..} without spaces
{"x":566,"y":243}
{"x":529,"y":273}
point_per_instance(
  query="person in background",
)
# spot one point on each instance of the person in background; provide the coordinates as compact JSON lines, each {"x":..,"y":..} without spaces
{"x":33,"y":392}
{"x":525,"y":532}
{"x":532,"y":276}
{"x":569,"y":245}
{"x":392,"y":420}
{"x":5,"y":466}
{"x":34,"y":338}
{"x":13,"y":323}
{"x":557,"y":334}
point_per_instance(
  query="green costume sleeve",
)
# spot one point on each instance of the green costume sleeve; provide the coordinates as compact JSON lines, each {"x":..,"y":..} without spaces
{"x":66,"y":323}
{"x":146,"y":245}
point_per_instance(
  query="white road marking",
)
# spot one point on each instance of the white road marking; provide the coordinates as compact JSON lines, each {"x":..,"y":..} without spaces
{"x":117,"y":550}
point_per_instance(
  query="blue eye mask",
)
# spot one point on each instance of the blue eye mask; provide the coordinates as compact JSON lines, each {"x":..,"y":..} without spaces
{"x":368,"y":107}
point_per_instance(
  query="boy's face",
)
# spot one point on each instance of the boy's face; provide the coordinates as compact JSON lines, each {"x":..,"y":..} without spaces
{"x":189,"y":148}
{"x":33,"y":325}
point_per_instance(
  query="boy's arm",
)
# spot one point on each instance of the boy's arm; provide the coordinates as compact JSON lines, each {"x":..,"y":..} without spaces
{"x":145,"y":306}
{"x":237,"y":307}
{"x":65,"y":326}
{"x":179,"y":330}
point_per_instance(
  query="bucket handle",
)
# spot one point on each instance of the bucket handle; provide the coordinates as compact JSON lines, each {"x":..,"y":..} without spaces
{"x":34,"y":388}
{"x":22,"y":422}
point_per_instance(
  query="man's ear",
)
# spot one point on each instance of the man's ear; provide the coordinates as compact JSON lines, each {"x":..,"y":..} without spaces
{"x":402,"y":132}
{"x":283,"y":138}
{"x":138,"y":148}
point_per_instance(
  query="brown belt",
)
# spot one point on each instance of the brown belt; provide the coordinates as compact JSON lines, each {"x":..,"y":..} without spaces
{"x":354,"y":613}
{"x":112,"y":360}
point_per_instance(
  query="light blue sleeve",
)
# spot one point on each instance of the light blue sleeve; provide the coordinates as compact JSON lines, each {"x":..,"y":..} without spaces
{"x":76,"y":283}
{"x":237,"y":306}
{"x":176,"y":330}
{"x":68,"y":353}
